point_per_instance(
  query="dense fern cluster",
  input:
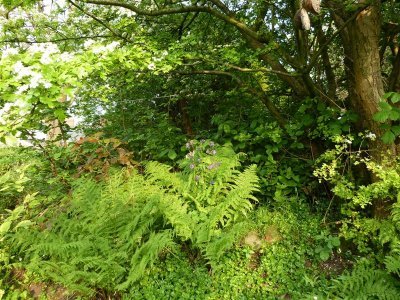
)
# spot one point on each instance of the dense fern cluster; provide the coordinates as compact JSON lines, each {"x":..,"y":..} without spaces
{"x":106,"y":234}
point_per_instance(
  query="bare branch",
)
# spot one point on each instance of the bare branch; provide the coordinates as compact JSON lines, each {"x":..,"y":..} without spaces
{"x":263,"y":70}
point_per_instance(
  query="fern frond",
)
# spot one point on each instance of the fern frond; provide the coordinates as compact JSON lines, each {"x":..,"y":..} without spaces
{"x":217,"y":247}
{"x":236,"y":203}
{"x":365,"y":283}
{"x":146,"y":255}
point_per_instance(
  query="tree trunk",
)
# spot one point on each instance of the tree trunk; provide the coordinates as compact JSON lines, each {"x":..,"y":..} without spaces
{"x":365,"y":82}
{"x":366,"y":90}
{"x":185,"y":119}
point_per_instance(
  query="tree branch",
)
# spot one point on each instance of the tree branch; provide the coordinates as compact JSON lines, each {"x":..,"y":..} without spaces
{"x":260,"y":94}
{"x":180,"y":10}
{"x":315,"y":57}
{"x":262,"y":70}
{"x":104,"y":24}
{"x":55,"y":40}
{"x":221,"y":6}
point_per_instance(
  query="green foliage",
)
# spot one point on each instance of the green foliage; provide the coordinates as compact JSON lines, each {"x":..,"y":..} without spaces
{"x":326,"y":244}
{"x":18,"y":171}
{"x":174,"y":227}
{"x":365,"y":282}
{"x":108,"y":234}
{"x":390,"y":114}
{"x":267,"y":271}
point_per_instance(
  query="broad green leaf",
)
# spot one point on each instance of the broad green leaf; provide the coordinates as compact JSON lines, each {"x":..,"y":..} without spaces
{"x":384,"y":105}
{"x":335,"y":242}
{"x":394,"y":115}
{"x":324,"y":255}
{"x":60,"y":114}
{"x":5,"y":227}
{"x":395,"y":97}
{"x":388,"y":137}
{"x":381,"y":116}
{"x":396,"y":130}
{"x":24,"y":223}
{"x":172,"y":154}
{"x":387,"y":95}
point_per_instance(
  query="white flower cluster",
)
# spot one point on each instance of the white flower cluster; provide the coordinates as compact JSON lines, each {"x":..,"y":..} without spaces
{"x":371,"y":136}
{"x":66,"y":56}
{"x":36,"y":78}
{"x":8,"y":52}
{"x":22,"y":108}
{"x":43,"y":48}
{"x":46,"y":49}
{"x":348,"y":141}
{"x":152,"y":65}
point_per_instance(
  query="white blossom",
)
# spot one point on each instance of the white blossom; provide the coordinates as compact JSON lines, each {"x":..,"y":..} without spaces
{"x":46,"y":84}
{"x":36,"y":79}
{"x":22,"y":89}
{"x":18,"y":66}
{"x":88,"y":43}
{"x":66,"y":56}
{"x":22,"y":71}
{"x":112,"y":46}
{"x":371,"y":136}
{"x":45,"y":59}
{"x":98,"y":49}
{"x":151,"y":66}
{"x":347,"y":141}
{"x":9,"y":51}
{"x":107,"y":48}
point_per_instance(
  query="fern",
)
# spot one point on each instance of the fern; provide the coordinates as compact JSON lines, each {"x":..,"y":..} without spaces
{"x":392,"y":261}
{"x":107,"y":234}
{"x":365,"y":283}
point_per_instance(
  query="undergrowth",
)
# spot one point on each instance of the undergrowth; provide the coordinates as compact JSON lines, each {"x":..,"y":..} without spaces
{"x":194,"y":231}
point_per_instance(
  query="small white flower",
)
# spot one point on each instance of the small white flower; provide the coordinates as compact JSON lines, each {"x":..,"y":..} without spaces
{"x":45,"y":59}
{"x":88,"y":43}
{"x":112,"y":46}
{"x":371,"y":136}
{"x":151,"y":66}
{"x":18,"y":66}
{"x":52,"y":48}
{"x":46,"y":84}
{"x":36,"y":48}
{"x":65,"y":57}
{"x":347,"y":141}
{"x":36,"y":79}
{"x":22,"y":89}
{"x":98,"y":50}
{"x":9,"y":51}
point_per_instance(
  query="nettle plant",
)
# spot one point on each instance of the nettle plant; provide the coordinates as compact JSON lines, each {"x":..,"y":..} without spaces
{"x":107,"y":234}
{"x":389,"y":116}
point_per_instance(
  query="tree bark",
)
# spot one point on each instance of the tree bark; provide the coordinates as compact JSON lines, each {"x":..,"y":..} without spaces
{"x":366,"y":84}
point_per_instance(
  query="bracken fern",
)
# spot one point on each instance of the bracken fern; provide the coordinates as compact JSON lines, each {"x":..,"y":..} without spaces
{"x":108,"y":234}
